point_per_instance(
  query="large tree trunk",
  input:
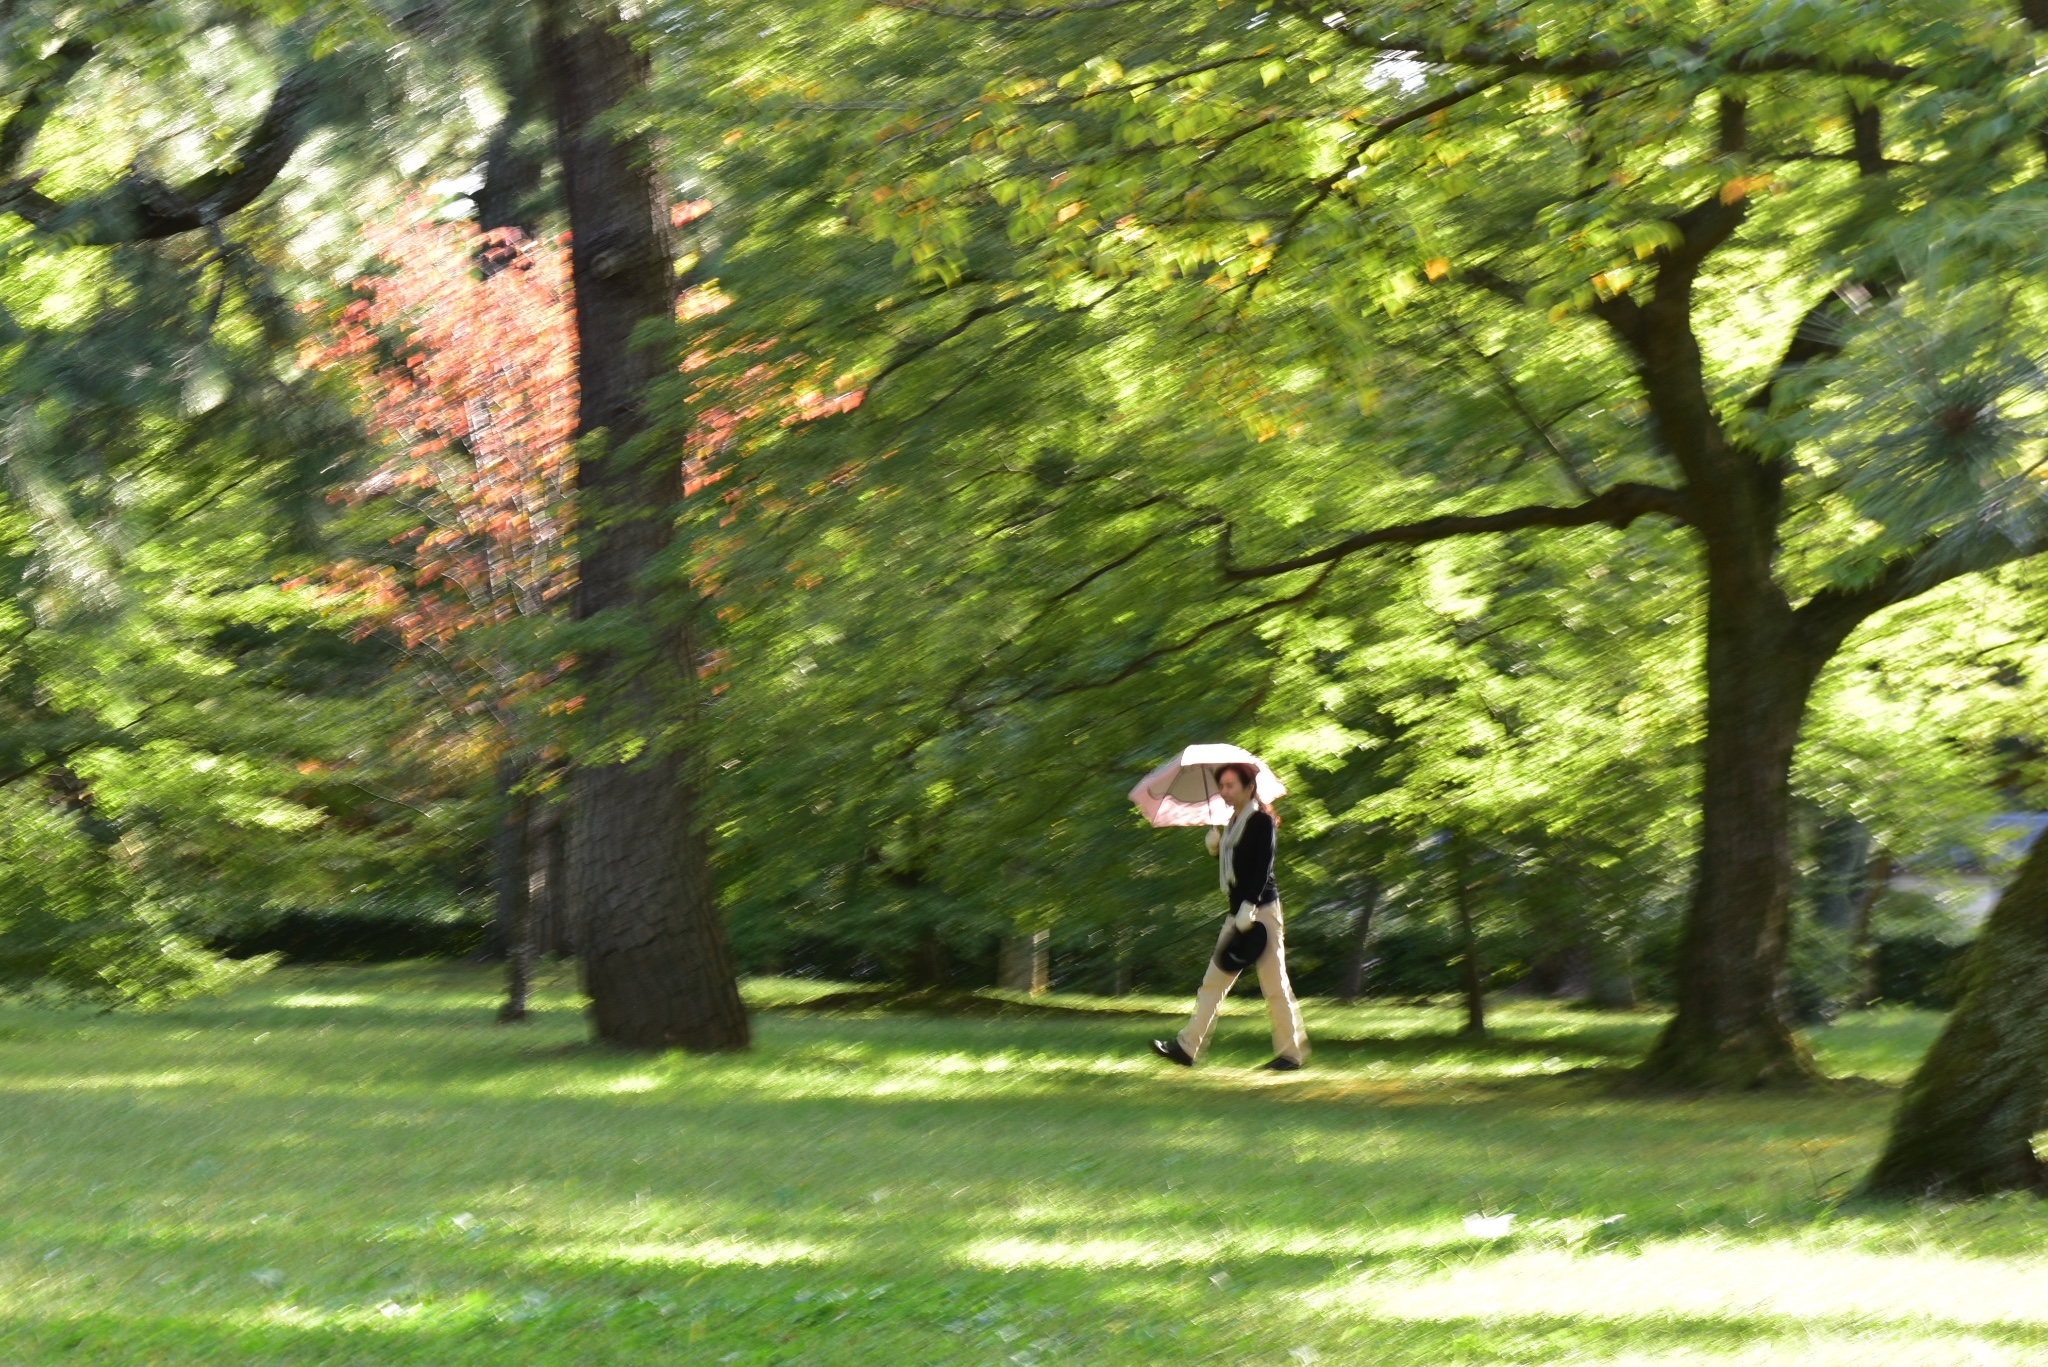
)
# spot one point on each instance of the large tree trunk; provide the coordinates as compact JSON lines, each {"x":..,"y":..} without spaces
{"x":1966,"y":1123}
{"x":1733,"y":1026}
{"x":655,"y":960}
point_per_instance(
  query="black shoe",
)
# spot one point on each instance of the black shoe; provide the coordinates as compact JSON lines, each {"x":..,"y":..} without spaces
{"x":1170,"y":1050}
{"x":1280,"y":1063}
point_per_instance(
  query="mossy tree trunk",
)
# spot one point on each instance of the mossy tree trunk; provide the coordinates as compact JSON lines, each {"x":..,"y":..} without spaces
{"x":1966,"y":1124}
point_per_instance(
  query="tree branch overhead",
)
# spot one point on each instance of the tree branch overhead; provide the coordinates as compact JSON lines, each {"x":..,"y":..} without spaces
{"x":1617,"y":507}
{"x":138,"y":207}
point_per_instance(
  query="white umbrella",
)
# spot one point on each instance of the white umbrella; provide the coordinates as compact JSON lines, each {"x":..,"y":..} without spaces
{"x":1182,"y":791}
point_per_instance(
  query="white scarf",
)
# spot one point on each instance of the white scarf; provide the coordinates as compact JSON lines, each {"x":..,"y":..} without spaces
{"x":1228,"y":843}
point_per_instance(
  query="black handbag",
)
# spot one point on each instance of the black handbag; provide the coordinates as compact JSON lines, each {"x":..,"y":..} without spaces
{"x":1241,"y":948}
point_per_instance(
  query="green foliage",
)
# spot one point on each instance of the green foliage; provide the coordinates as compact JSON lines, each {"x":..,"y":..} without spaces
{"x":73,"y":920}
{"x":1108,"y":284}
{"x":188,"y":747}
{"x":1919,"y":970}
{"x":1060,"y":317}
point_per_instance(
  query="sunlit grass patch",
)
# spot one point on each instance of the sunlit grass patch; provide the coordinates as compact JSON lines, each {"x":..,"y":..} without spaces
{"x":358,"y":1165}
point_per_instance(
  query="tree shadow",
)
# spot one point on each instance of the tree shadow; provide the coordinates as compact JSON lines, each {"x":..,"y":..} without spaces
{"x":865,"y":1314}
{"x":954,"y":1004}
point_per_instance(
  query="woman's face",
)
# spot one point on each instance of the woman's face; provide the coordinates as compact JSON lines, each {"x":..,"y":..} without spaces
{"x":1232,"y":787}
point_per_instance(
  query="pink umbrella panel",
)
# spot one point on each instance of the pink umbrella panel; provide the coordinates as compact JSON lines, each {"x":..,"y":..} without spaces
{"x":1182,"y":791}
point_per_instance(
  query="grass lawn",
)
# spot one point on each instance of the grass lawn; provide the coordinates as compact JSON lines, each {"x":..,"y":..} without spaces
{"x":356,"y":1165}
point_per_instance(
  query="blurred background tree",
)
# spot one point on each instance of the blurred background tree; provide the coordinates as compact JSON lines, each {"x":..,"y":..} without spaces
{"x":191,"y":752}
{"x":1441,"y":275}
{"x":1593,"y":456}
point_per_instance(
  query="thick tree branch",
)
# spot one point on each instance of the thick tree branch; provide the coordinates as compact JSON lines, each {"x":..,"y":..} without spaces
{"x":1139,"y":663}
{"x":107,"y":736}
{"x":1010,"y":16}
{"x":1866,"y":139}
{"x":911,"y":351}
{"x":1617,"y":508}
{"x":1504,"y":381}
{"x":1819,"y":335}
{"x":57,"y":756}
{"x":1701,"y":229}
{"x":1826,"y":619}
{"x":1732,"y":133}
{"x":29,"y":116}
{"x":1493,"y":282}
{"x":139,"y":208}
{"x":1522,"y":61}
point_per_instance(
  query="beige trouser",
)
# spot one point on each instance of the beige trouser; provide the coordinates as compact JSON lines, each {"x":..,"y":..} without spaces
{"x":1289,"y":1040}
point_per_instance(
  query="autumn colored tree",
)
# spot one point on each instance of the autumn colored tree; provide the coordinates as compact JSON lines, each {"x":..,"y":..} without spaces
{"x":464,"y":347}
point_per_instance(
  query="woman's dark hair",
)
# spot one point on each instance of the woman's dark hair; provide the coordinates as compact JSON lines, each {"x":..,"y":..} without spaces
{"x":1249,"y":777}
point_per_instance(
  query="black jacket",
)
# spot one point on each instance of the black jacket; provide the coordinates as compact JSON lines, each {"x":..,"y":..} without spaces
{"x":1251,"y":864}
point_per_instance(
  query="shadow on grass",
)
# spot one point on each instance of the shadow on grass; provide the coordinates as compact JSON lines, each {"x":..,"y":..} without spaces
{"x":1411,"y":1048}
{"x":955,"y":1003}
{"x":1068,"y":1316}
{"x":910,"y":1154}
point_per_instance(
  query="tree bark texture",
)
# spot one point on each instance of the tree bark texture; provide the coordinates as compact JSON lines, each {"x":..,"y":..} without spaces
{"x":655,"y":961}
{"x":1733,"y":1026}
{"x":1733,"y":1023}
{"x":139,"y":208}
{"x":1966,"y":1123}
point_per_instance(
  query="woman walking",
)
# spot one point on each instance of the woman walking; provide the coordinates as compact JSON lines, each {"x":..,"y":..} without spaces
{"x":1244,"y":861}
